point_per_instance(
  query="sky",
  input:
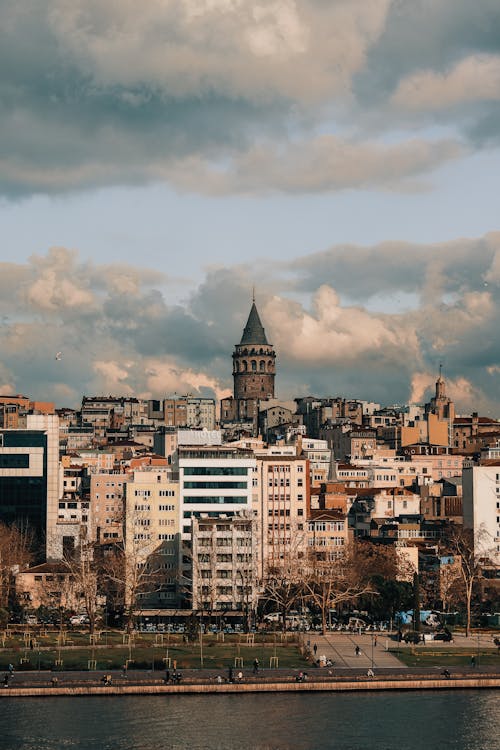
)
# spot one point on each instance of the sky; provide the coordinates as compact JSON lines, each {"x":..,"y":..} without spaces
{"x":159,"y":160}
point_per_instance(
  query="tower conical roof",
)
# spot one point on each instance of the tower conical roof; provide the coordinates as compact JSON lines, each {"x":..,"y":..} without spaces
{"x":253,"y":332}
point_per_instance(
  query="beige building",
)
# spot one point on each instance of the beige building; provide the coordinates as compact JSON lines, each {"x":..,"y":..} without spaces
{"x":281,"y":501}
{"x":152,"y":530}
{"x":49,"y":585}
{"x":327,"y":534}
{"x":107,"y":506}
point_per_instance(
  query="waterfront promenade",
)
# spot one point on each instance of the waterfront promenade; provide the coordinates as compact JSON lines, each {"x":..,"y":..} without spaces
{"x":333,"y":662}
{"x":340,"y":649}
{"x":201,"y":681}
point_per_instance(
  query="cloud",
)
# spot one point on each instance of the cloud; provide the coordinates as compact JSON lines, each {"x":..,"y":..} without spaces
{"x":327,"y":163}
{"x":318,"y":312}
{"x":222,"y":96}
{"x":422,"y":272}
{"x":473,"y":79}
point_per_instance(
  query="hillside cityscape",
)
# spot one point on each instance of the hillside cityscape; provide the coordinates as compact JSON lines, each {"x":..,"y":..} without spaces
{"x":132,"y":512}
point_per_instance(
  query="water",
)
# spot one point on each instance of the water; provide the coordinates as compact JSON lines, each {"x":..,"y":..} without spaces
{"x":450,"y":720}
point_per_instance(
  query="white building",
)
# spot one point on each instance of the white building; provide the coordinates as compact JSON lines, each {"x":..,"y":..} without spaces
{"x":213,"y":480}
{"x":225,"y":557}
{"x":481,"y":507}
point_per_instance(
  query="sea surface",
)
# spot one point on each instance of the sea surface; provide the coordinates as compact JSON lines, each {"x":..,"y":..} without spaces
{"x":441,"y":720}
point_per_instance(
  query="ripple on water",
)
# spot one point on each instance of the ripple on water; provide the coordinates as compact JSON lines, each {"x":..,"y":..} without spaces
{"x":445,"y":720}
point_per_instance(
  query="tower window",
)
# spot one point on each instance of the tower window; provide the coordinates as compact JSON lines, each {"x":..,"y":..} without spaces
{"x":254,"y":365}
{"x":262,"y":365}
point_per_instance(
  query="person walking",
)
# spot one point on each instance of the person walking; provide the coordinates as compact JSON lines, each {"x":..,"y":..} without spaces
{"x":357,"y":650}
{"x":255,"y":666}
{"x":315,"y":649}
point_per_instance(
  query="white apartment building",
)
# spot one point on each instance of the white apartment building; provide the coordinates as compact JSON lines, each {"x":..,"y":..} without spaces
{"x":225,"y":563}
{"x":214,"y":480}
{"x":481,"y":507}
{"x":320,"y":460}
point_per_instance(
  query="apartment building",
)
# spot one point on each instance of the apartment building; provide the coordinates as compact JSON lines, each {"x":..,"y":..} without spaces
{"x":225,"y":563}
{"x":281,"y":504}
{"x":481,"y":507}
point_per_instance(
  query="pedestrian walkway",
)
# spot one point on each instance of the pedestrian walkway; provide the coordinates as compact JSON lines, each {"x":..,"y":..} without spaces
{"x":340,"y":648}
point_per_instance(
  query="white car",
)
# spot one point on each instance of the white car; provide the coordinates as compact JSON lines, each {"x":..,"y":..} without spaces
{"x":78,"y":619}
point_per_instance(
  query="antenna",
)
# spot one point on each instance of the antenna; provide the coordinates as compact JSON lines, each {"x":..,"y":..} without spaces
{"x":253,"y":294}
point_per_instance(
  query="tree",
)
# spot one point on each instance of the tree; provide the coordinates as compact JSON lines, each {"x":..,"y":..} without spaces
{"x":86,"y":580}
{"x":284,"y":575}
{"x":471,"y":556}
{"x":130,"y":575}
{"x":389,"y":573}
{"x":16,"y":553}
{"x":327,"y":583}
{"x":450,"y":579}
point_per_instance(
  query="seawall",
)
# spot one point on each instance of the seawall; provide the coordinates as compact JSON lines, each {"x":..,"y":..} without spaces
{"x":241,"y":688}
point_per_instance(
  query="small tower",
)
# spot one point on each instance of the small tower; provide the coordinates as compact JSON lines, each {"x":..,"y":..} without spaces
{"x":254,"y":361}
{"x":441,"y":405}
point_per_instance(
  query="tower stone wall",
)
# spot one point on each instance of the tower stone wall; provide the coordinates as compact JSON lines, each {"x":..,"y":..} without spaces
{"x":254,"y":362}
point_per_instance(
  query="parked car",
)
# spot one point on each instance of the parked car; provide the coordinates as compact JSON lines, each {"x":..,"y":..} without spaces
{"x":445,"y":635}
{"x":78,"y":620}
{"x":412,"y":636}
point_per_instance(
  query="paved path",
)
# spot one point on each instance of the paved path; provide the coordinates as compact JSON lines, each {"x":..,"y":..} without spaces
{"x":340,"y":648}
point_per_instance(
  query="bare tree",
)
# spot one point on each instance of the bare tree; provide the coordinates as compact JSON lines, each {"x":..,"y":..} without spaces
{"x":329,"y":582}
{"x":471,"y":557}
{"x":86,"y":579}
{"x":15,"y":554}
{"x":284,"y":575}
{"x":133,"y":574}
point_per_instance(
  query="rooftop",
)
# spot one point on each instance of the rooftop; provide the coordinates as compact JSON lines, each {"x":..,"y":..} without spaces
{"x":254,"y":332}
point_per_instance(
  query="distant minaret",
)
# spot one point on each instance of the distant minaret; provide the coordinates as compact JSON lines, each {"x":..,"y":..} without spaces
{"x":254,"y":361}
{"x":441,"y":405}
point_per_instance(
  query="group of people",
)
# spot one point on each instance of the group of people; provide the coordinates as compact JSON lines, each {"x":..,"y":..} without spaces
{"x":176,"y":677}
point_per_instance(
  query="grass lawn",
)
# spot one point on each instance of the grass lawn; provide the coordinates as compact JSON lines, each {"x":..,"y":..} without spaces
{"x":112,"y":653}
{"x":425,"y":657}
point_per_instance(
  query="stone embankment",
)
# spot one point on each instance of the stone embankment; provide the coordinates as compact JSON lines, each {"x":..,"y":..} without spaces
{"x":317,"y":685}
